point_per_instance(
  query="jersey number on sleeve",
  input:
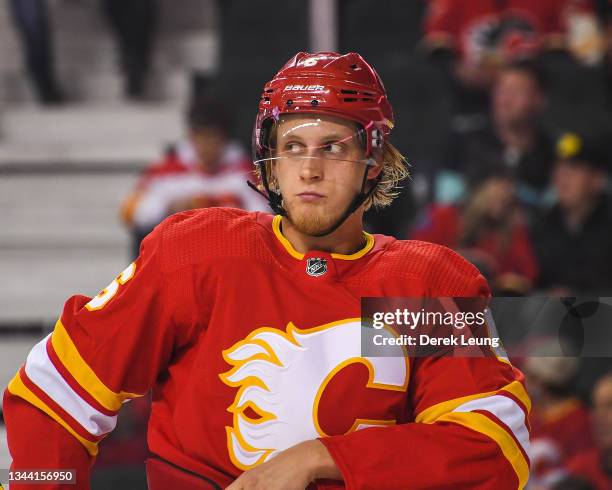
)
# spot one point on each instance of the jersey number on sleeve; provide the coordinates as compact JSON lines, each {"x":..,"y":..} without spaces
{"x":107,"y":293}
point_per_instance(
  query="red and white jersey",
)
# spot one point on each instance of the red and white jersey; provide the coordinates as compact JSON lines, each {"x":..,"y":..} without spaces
{"x":247,"y":355}
{"x":178,"y":179}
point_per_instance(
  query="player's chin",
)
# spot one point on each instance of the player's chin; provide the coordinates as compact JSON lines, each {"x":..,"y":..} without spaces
{"x":311,"y":220}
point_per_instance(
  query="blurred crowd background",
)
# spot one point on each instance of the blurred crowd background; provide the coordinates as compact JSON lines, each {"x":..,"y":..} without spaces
{"x":116,"y":113}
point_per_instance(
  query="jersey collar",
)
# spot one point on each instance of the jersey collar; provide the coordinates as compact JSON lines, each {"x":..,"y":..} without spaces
{"x":276,"y":227}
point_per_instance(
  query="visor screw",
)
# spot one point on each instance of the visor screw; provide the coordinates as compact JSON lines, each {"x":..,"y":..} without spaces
{"x":314,"y":102}
{"x":289,"y":102}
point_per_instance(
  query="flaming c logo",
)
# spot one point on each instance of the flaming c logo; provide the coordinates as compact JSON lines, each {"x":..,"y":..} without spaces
{"x":281,"y":377}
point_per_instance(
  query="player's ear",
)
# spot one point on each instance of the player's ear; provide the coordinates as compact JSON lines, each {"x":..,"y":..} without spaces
{"x":374,"y":171}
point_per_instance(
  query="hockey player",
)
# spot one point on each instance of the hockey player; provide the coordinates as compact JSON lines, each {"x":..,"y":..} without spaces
{"x":246,"y":326}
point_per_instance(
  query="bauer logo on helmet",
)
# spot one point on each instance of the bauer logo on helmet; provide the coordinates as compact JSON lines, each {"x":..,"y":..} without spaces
{"x":304,"y":88}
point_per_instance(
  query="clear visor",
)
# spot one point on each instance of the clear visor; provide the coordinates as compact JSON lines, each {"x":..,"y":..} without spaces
{"x":298,"y":138}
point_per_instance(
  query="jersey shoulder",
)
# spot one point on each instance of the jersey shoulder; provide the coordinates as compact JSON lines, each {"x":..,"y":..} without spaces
{"x":443,"y":271}
{"x":200,"y":235}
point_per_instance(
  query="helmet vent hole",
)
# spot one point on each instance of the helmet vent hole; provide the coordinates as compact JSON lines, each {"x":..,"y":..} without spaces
{"x":350,"y":99}
{"x":354,"y":67}
{"x":314,"y":102}
{"x":352,"y":92}
{"x":289,"y":102}
{"x":269,"y":91}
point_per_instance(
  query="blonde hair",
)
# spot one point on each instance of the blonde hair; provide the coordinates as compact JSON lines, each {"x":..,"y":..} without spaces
{"x":394,"y":171}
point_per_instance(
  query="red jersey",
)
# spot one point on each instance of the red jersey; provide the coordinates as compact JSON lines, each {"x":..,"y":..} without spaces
{"x":247,"y":354}
{"x":479,"y":29}
{"x":557,"y":435}
{"x":443,"y":224}
{"x":589,"y":466}
{"x":568,"y":427}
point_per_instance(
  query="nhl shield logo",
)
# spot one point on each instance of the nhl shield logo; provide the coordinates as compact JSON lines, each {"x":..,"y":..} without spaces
{"x":316,"y":266}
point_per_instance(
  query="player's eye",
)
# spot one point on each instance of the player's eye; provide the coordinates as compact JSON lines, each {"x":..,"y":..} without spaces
{"x":333,"y":148}
{"x":294,"y":148}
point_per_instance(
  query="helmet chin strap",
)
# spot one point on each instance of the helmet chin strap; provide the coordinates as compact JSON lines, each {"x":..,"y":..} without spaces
{"x":275,"y":199}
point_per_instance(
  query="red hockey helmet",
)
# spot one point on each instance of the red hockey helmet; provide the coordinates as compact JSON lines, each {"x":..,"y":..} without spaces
{"x":344,"y":86}
{"x":326,"y":83}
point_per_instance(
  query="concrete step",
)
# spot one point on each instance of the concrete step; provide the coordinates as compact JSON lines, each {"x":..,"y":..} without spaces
{"x":60,"y":235}
{"x":99,"y":133}
{"x":99,"y":54}
{"x":90,"y":123}
{"x":101,"y":81}
{"x":93,"y":87}
{"x":65,"y":156}
{"x":87,"y":59}
{"x":14,"y":89}
{"x":40,"y":281}
{"x":63,"y":211}
{"x":13,"y":351}
{"x":70,"y":19}
{"x":74,"y":25}
{"x":5,"y":457}
{"x":97,"y":87}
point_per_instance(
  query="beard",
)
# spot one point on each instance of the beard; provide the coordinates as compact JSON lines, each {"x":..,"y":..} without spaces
{"x":310,"y":220}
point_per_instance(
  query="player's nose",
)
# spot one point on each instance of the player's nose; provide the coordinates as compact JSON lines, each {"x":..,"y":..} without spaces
{"x":311,"y":168}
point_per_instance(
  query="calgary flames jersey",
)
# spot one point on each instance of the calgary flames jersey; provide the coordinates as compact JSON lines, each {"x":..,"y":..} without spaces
{"x":250,"y":348}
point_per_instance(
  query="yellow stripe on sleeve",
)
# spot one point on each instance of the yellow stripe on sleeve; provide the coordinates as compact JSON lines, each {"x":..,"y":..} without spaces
{"x":18,"y":388}
{"x":432,"y":413}
{"x":517,"y":389}
{"x":82,"y":373}
{"x":484,"y":425}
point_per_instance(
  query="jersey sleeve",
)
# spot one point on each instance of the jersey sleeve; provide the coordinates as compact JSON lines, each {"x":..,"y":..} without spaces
{"x":36,"y":441}
{"x":470,"y":429}
{"x":103,"y":351}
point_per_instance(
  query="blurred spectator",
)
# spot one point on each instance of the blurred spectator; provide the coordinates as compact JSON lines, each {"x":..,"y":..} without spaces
{"x":31,"y":18}
{"x":596,"y":465}
{"x":207,"y":169}
{"x":134,"y":23}
{"x":512,"y":141}
{"x":480,"y":36}
{"x":489,"y":230}
{"x":560,"y":424}
{"x":573,"y":238}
